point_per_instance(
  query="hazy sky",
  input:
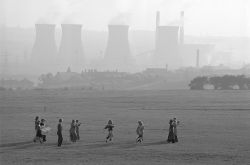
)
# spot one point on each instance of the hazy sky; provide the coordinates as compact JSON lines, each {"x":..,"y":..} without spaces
{"x":202,"y":17}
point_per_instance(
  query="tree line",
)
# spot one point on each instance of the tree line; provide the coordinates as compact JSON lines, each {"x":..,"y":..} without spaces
{"x":226,"y":82}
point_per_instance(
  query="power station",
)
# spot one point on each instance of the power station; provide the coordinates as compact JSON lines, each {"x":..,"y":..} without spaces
{"x":44,"y":49}
{"x":117,"y":54}
{"x":166,"y":50}
{"x":71,"y":52}
{"x":170,"y":47}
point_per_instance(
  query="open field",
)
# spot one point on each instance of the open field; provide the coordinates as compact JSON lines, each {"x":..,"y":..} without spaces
{"x":214,"y":127}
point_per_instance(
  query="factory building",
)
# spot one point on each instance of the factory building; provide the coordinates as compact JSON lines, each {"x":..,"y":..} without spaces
{"x":172,"y":51}
{"x":167,"y":48}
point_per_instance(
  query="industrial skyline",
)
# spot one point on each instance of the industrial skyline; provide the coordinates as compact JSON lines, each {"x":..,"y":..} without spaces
{"x":206,"y":18}
{"x":121,"y":47}
{"x":170,"y":48}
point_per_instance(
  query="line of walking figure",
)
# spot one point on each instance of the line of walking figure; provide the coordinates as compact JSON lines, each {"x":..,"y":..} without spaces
{"x":41,"y":130}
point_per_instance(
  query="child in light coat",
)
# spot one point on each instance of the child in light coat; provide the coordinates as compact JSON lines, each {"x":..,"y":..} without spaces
{"x":139,"y":132}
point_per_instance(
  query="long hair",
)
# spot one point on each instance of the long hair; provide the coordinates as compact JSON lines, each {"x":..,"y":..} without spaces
{"x":140,"y":122}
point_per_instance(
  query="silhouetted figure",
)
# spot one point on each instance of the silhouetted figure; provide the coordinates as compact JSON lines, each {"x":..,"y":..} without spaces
{"x":72,"y":131}
{"x":171,"y":136}
{"x":37,"y":122}
{"x":139,"y":132}
{"x":110,"y":127}
{"x":77,"y":130}
{"x":59,"y":133}
{"x":175,"y":124}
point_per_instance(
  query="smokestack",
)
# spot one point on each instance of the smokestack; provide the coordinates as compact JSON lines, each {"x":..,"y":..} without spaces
{"x":71,"y":49}
{"x":197,"y":58}
{"x":44,"y":49}
{"x":167,"y":49}
{"x":156,"y":26}
{"x":182,"y":28}
{"x":157,"y":19}
{"x":117,"y":54}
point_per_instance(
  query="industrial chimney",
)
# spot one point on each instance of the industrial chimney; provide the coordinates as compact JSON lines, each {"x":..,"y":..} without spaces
{"x":167,"y":48}
{"x":157,"y":24}
{"x":181,"y":40}
{"x":157,"y":19}
{"x":44,"y":49}
{"x":71,"y":49}
{"x":117,"y":54}
{"x":197,"y":58}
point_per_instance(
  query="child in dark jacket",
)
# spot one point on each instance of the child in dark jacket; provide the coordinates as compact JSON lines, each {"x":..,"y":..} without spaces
{"x":110,"y":127}
{"x":59,"y":133}
{"x":37,"y":122}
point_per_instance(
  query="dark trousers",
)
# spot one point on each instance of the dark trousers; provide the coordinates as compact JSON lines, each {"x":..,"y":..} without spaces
{"x":44,"y":138}
{"x":41,"y":136}
{"x":139,"y":138}
{"x":60,"y":139}
{"x":176,"y":138}
{"x":110,"y":135}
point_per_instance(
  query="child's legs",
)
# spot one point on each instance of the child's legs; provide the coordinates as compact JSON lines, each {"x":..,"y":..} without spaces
{"x":77,"y":135}
{"x":140,"y":138}
{"x":110,"y":135}
{"x":44,"y":137}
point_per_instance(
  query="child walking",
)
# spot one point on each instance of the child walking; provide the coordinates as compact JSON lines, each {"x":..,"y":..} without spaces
{"x":59,"y":133}
{"x":37,"y":123}
{"x":171,"y":136}
{"x":139,"y":132}
{"x":39,"y":135}
{"x":72,"y":131}
{"x":42,"y":128}
{"x":77,"y":130}
{"x":110,"y":127}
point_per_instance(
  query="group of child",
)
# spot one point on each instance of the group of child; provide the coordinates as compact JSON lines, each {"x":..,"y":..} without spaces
{"x":39,"y":126}
{"x":172,"y":135}
{"x":139,"y":131}
{"x":74,"y":131}
{"x":41,"y":129}
{"x":75,"y":124}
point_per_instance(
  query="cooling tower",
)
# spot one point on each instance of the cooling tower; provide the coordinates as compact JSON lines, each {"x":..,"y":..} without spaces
{"x":167,"y":49}
{"x":117,"y":54}
{"x":44,"y":49}
{"x":71,"y":49}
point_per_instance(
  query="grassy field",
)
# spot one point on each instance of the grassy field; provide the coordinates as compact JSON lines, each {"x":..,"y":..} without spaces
{"x":214,"y":127}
